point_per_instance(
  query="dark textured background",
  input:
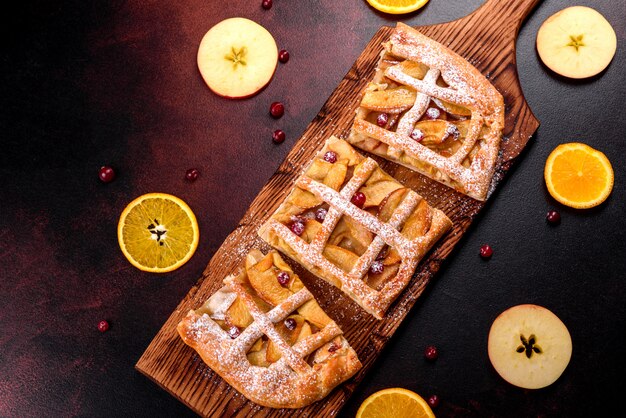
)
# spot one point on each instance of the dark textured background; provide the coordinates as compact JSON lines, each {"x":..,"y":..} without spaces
{"x":88,"y":83}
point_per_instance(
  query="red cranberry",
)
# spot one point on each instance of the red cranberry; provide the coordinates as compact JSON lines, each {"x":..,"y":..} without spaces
{"x":283,"y":56}
{"x":266,"y":4}
{"x":358,"y":200}
{"x":433,"y":401}
{"x":278,"y":136}
{"x":433,"y":113}
{"x":382,"y":119}
{"x":553,"y":217}
{"x":377,"y":267}
{"x":453,"y":131}
{"x":417,"y":135}
{"x":297,"y":227}
{"x":234,"y":332}
{"x":333,"y":347}
{"x":486,"y":252}
{"x":192,"y":174}
{"x":320,"y":214}
{"x":431,"y":353}
{"x":277,"y":109}
{"x":330,"y":157}
{"x":283,"y":278}
{"x":290,"y":324}
{"x":107,"y":174}
{"x":103,"y":326}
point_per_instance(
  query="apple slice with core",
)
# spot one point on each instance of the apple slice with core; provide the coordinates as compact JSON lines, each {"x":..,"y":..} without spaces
{"x":577,"y":42}
{"x":529,"y":346}
{"x":237,"y":57}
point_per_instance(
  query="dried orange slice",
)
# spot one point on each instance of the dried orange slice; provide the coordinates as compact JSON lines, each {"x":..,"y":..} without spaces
{"x":158,"y":232}
{"x":395,"y":403}
{"x":578,"y":176}
{"x":397,"y":7}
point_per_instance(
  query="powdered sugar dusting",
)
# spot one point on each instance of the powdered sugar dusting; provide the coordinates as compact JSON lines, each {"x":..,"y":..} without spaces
{"x":410,"y":118}
{"x":465,"y":87}
{"x":352,"y":283}
{"x":289,"y":382}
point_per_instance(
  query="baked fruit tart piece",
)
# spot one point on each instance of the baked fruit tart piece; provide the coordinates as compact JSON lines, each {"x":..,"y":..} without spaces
{"x":430,"y":110}
{"x":355,"y":226}
{"x":264,"y":333}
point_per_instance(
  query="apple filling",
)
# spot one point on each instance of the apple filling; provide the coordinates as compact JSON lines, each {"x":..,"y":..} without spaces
{"x":268,"y":280}
{"x":355,"y":226}
{"x":430,"y":110}
{"x":304,"y":214}
{"x":442,"y":128}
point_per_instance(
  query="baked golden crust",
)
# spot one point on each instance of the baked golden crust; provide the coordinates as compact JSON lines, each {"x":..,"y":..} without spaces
{"x":442,"y":117}
{"x":242,"y":333}
{"x":370,"y":253}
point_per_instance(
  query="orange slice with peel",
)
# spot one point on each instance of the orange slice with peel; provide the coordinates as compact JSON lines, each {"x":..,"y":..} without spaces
{"x":395,"y":403}
{"x":397,"y":7}
{"x":578,"y":176}
{"x":158,"y":232}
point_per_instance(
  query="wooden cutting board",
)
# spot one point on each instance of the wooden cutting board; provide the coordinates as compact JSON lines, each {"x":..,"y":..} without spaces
{"x":486,"y":38}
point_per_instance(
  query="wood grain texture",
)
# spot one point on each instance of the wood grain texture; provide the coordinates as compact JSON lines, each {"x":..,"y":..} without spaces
{"x":486,"y":38}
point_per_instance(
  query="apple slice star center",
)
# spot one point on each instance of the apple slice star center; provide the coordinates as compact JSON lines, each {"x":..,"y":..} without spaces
{"x":576,"y":41}
{"x":237,"y":56}
{"x":529,"y":346}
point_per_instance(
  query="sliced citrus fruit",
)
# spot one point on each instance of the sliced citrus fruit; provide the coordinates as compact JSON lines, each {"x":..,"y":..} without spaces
{"x":578,"y":176}
{"x":395,"y":403}
{"x":158,"y":232}
{"x":397,"y":7}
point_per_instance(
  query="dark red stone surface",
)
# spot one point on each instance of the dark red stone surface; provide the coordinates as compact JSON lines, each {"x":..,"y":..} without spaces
{"x":88,"y":84}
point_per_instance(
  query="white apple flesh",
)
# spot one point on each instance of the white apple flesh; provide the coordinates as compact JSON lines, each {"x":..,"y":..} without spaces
{"x":237,"y":57}
{"x":577,"y":42}
{"x":529,"y":346}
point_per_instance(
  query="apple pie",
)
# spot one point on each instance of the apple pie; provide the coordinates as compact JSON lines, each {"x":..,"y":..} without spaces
{"x":265,"y":334}
{"x":355,"y":226}
{"x":430,"y":110}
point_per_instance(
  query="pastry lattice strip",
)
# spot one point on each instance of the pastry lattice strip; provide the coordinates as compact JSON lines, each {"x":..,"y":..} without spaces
{"x":428,"y":89}
{"x":264,"y":325}
{"x":303,"y":373}
{"x":401,"y":139}
{"x":465,"y":87}
{"x":386,"y":233}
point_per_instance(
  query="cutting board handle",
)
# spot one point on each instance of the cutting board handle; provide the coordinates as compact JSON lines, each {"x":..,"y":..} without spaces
{"x":508,"y":14}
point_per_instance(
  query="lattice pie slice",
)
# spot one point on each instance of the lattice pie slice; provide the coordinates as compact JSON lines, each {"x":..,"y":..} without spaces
{"x":265,"y":334}
{"x":353,"y":225}
{"x":430,"y":110}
